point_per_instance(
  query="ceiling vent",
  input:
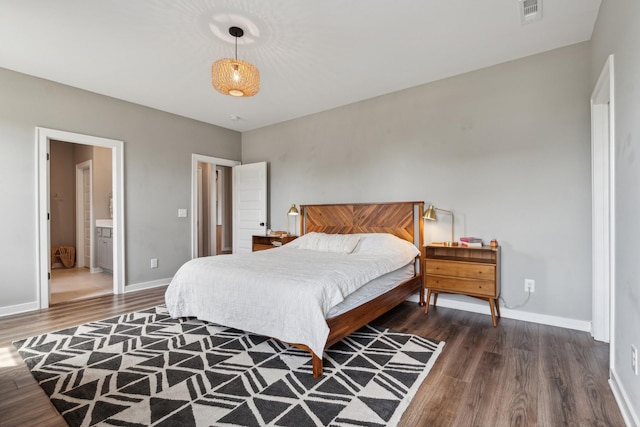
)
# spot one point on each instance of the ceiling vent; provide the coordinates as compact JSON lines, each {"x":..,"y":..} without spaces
{"x":530,"y":10}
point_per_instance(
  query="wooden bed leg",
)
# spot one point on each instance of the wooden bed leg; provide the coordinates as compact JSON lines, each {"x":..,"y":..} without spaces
{"x":316,"y":362}
{"x":435,"y":300}
{"x":493,"y":313}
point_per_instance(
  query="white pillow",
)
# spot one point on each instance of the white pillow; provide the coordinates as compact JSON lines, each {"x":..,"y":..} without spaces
{"x":385,"y":243}
{"x":339,"y":243}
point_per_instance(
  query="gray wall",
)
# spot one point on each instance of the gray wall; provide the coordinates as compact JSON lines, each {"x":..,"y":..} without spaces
{"x":157,"y":157}
{"x":617,"y":32}
{"x":506,"y":148}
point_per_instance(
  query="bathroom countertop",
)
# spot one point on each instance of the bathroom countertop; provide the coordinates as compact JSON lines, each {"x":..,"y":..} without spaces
{"x":104,"y":223}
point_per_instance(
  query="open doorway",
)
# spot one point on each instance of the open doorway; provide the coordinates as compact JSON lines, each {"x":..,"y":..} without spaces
{"x":212,"y":195}
{"x":80,"y":191}
{"x":214,"y":209}
{"x":112,"y":203}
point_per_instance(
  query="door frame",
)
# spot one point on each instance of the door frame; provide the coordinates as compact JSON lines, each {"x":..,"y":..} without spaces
{"x":603,"y":206}
{"x":195,"y":158}
{"x":80,"y":218}
{"x":43,"y":233}
{"x":200,"y":211}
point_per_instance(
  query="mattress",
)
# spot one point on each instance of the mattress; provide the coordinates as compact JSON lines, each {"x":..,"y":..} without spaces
{"x":373,"y":289}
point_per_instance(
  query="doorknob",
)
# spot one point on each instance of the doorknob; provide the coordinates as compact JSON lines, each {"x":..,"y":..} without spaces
{"x":262,"y":224}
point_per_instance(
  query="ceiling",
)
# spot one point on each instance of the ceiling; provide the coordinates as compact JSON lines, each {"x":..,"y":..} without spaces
{"x":313,"y":55}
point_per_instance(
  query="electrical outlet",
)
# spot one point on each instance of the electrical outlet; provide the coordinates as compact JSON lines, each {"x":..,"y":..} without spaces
{"x":154,"y":262}
{"x":634,"y":359}
{"x":529,"y":285}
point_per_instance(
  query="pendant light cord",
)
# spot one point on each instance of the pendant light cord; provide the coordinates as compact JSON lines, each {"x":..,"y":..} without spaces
{"x":236,"y":37}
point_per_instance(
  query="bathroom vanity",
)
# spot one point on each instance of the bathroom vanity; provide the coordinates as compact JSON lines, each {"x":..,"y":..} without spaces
{"x":104,"y":244}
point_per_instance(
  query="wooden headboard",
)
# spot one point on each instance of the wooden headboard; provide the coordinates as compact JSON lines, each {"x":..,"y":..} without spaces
{"x":402,"y":219}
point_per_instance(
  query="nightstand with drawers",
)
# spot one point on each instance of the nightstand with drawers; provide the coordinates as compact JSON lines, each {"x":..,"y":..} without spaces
{"x":474,"y":272}
{"x":261,"y":243}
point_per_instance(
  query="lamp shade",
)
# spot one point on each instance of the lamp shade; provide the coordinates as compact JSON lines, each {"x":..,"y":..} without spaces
{"x":235,"y":77}
{"x":430,"y":213}
{"x":293,"y":210}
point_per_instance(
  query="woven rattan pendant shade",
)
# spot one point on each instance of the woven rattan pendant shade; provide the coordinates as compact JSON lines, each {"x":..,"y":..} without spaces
{"x":233,"y":76}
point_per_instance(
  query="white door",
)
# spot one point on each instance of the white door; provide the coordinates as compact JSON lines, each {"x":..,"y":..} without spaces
{"x":249,"y":204}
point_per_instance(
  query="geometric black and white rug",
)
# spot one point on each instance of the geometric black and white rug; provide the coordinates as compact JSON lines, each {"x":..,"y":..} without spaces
{"x":147,"y":369}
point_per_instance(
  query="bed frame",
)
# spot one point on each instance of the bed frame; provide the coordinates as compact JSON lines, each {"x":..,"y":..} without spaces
{"x":402,"y":219}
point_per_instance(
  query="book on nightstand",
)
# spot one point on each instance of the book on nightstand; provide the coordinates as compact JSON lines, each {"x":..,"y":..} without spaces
{"x":471,"y":242}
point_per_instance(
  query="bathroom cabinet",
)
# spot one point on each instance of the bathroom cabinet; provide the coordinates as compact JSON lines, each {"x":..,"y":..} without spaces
{"x":105,"y":248}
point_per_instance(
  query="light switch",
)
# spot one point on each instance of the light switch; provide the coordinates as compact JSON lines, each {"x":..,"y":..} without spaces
{"x":182,"y":213}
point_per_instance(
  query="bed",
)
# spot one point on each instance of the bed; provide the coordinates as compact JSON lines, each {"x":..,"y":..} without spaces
{"x":200,"y":288}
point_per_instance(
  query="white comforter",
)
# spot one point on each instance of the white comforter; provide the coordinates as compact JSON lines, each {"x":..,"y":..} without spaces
{"x":283,"y":293}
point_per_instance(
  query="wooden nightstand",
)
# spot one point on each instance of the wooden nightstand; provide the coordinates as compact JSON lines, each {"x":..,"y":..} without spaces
{"x":261,"y":243}
{"x":460,"y":270}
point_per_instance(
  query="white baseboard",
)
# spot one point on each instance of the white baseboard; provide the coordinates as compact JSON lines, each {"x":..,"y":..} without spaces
{"x":483,"y":308}
{"x":146,"y":285}
{"x":33,"y":306}
{"x":631,"y":418}
{"x":18,"y":308}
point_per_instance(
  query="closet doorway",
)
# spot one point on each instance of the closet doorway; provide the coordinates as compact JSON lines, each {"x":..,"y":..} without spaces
{"x":212,"y":204}
{"x":80,"y":205}
{"x":214,"y":209}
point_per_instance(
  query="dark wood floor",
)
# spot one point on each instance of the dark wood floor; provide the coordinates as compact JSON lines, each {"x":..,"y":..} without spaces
{"x":518,"y":374}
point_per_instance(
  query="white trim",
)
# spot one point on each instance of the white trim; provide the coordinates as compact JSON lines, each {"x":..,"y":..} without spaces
{"x":603,"y":205}
{"x":195,"y":158}
{"x":147,"y":285}
{"x":199,"y":212}
{"x":623,"y":401}
{"x":43,"y":136}
{"x":18,"y":308}
{"x":80,"y":237}
{"x":483,"y":308}
{"x":212,"y":218}
{"x":43,"y":266}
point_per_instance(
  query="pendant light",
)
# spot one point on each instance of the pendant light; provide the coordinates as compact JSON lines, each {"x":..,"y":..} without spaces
{"x":235,"y":77}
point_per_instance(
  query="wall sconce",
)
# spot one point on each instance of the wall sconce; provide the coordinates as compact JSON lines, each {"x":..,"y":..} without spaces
{"x":430,"y":214}
{"x":292,"y":212}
